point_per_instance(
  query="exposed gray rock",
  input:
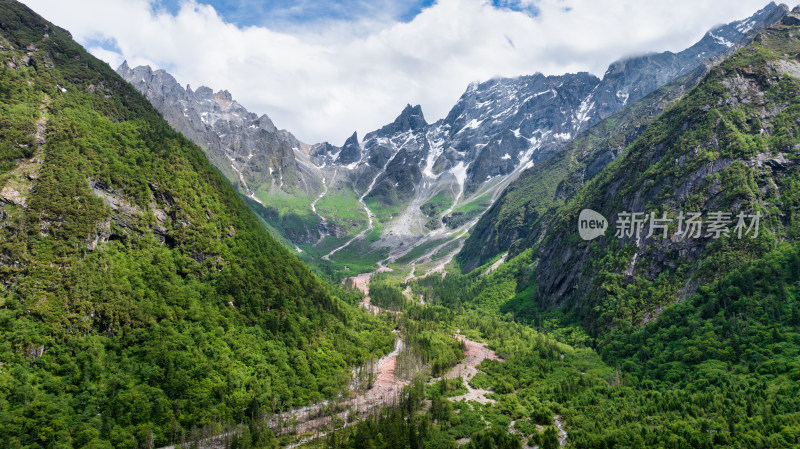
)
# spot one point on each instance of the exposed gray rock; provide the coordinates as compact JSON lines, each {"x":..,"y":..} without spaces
{"x":248,"y":149}
{"x":351,"y":151}
{"x":500,"y":126}
{"x":624,"y":83}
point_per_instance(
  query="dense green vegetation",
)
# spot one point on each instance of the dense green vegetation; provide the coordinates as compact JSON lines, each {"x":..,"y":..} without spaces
{"x":293,"y":222}
{"x":142,"y":303}
{"x":438,"y":204}
{"x":508,"y":292}
{"x":387,"y":296}
{"x":731,"y":351}
{"x":140,"y":298}
{"x":426,"y":416}
{"x":717,"y":370}
{"x":418,"y":251}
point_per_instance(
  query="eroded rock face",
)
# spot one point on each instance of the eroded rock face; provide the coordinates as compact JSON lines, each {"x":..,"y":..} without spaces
{"x":260,"y":160}
{"x":351,"y":151}
{"x":499,"y":127}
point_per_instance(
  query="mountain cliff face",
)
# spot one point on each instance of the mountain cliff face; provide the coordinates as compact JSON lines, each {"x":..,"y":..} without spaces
{"x":729,"y":146}
{"x":515,"y":220}
{"x":432,"y":181}
{"x":139,"y":296}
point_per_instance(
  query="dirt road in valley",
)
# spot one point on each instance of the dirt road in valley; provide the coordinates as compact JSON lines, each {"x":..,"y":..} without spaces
{"x":315,"y":420}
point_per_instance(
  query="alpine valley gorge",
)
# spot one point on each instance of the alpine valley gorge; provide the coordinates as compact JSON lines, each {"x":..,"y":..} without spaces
{"x":177,"y":272}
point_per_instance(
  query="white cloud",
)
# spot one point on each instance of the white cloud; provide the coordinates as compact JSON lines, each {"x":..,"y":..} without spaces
{"x":323,"y":84}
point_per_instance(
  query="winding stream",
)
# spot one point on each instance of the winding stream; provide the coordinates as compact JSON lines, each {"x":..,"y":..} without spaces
{"x":370,"y":215}
{"x":324,"y":221}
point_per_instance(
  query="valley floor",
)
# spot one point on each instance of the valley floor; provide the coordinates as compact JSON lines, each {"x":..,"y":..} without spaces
{"x":464,"y":375}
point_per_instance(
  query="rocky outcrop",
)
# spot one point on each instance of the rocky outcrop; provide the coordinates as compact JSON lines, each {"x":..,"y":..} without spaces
{"x":496,"y":130}
{"x":350,"y":152}
{"x":502,"y":126}
{"x":410,"y":119}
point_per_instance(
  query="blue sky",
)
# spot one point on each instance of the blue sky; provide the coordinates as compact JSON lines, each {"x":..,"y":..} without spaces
{"x":281,"y":14}
{"x":278,"y":14}
{"x":323,"y":69}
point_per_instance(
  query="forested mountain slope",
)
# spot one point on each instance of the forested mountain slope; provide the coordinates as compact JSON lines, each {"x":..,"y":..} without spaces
{"x":729,"y":146}
{"x":703,"y":332}
{"x":718,"y":370}
{"x":140,"y":298}
{"x":268,"y":166}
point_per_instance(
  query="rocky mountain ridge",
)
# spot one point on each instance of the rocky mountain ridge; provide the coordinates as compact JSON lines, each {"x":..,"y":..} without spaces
{"x":514,"y":220}
{"x":246,"y":147}
{"x":426,"y":183}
